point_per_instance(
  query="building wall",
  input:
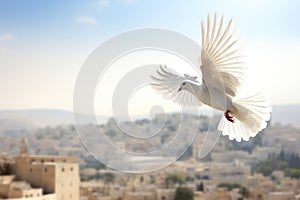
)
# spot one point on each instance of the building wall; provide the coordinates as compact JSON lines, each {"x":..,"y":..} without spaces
{"x":6,"y":179}
{"x":59,"y":175}
{"x":25,"y":193}
{"x":42,"y":175}
{"x":21,"y":168}
{"x":4,"y":190}
{"x":67,"y":181}
{"x":5,"y":182}
{"x":38,"y":174}
{"x":281,"y":196}
{"x":165,"y":194}
{"x":288,"y":184}
{"x":43,"y":197}
{"x":139,"y":196}
{"x":53,"y":159}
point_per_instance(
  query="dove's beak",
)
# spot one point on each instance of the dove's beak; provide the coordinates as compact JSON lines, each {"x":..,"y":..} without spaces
{"x":179,"y":89}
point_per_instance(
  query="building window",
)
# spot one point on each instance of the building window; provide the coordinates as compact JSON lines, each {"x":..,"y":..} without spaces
{"x":70,"y":196}
{"x":45,"y":170}
{"x":62,"y":169}
{"x":30,"y":170}
{"x":71,"y":169}
{"x":52,"y":160}
{"x":42,"y":161}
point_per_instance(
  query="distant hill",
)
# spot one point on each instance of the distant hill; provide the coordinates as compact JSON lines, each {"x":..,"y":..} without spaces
{"x":9,"y":126}
{"x":22,"y":120}
{"x":286,"y":114}
{"x":12,"y":120}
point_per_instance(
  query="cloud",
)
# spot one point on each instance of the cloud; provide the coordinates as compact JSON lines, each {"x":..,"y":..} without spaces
{"x":128,"y":1}
{"x":7,"y":37}
{"x":104,"y":3}
{"x":85,"y":20}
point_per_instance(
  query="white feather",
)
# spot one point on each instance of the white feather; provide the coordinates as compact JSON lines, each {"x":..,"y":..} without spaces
{"x":167,"y":82}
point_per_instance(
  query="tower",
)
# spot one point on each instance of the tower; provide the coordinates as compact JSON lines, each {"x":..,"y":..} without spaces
{"x":54,"y":174}
{"x":23,"y":151}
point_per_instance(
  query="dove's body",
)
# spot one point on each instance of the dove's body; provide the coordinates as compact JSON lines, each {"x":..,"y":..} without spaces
{"x":206,"y":96}
{"x":222,"y":68}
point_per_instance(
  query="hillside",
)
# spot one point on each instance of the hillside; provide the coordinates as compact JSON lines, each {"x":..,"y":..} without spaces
{"x":286,"y":114}
{"x":14,"y":121}
{"x":41,"y":117}
{"x":64,"y":140}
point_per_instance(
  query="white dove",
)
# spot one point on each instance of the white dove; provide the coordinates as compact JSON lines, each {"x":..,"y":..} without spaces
{"x":222,"y":67}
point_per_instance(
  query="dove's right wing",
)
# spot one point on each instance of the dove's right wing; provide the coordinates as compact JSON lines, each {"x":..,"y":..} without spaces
{"x":167,"y":84}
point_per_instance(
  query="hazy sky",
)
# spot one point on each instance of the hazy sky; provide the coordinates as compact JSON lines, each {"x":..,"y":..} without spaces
{"x":44,"y":43}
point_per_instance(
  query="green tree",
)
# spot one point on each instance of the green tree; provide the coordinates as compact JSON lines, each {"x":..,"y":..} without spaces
{"x":184,"y":193}
{"x":243,"y":190}
{"x":6,"y":163}
{"x":200,"y":187}
{"x":230,"y":186}
{"x":292,"y":172}
{"x":172,"y":179}
{"x":5,"y":168}
{"x":108,"y":178}
{"x":282,"y":155}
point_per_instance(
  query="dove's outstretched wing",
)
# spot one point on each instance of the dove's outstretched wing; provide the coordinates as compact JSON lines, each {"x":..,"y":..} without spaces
{"x":221,"y":58}
{"x":167,"y":83}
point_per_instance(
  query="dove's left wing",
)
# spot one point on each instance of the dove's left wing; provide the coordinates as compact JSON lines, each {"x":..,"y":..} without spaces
{"x":222,"y":61}
{"x":167,"y":83}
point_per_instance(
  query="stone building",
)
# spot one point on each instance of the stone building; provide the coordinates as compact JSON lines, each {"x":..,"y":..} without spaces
{"x":42,"y":177}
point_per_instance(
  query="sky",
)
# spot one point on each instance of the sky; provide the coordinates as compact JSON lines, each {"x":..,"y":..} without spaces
{"x":43,"y":44}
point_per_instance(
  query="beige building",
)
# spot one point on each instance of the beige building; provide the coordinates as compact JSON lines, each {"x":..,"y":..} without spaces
{"x":42,"y":177}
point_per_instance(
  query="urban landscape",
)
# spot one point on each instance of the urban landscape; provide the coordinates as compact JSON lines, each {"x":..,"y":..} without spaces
{"x":266,"y":167}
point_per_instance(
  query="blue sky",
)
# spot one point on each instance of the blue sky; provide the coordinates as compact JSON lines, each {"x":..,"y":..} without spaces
{"x":44,"y":43}
{"x":55,"y":20}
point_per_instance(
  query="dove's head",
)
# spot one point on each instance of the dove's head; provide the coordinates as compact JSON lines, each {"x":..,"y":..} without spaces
{"x":185,"y":85}
{"x":189,"y":86}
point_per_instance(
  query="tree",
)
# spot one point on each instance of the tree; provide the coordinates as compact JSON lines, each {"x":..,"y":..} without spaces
{"x":230,"y":186}
{"x":108,"y":178}
{"x":187,"y":154}
{"x":6,"y":163}
{"x":173,"y":179}
{"x":283,"y":161}
{"x":200,"y":187}
{"x":183,"y":193}
{"x":5,"y":168}
{"x":292,"y":172}
{"x":282,"y":155}
{"x":243,"y":190}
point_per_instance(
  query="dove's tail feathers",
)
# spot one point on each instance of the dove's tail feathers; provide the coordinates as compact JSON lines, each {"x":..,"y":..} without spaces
{"x":251,"y":115}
